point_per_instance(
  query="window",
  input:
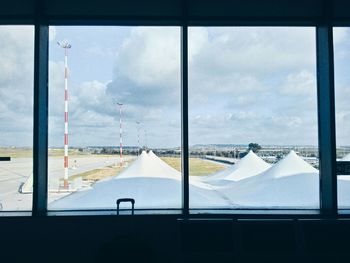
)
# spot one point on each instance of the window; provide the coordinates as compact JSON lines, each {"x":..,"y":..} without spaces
{"x":342,"y":91}
{"x":253,"y":117}
{"x":16,"y":117}
{"x":114,"y":120}
{"x":252,"y":104}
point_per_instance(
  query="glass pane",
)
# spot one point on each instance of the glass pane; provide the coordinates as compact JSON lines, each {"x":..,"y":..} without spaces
{"x":16,"y":117}
{"x":253,"y":117}
{"x":342,"y":108}
{"x":114,"y":117}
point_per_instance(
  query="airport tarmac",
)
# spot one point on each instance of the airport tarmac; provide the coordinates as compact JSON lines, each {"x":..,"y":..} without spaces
{"x":16,"y":172}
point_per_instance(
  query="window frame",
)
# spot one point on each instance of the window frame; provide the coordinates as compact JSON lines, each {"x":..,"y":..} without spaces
{"x":325,"y":96}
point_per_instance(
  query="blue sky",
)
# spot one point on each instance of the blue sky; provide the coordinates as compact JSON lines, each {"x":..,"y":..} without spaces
{"x":91,"y":46}
{"x":246,"y":85}
{"x":123,"y":64}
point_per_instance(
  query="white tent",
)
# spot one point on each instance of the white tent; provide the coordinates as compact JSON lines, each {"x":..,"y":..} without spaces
{"x":291,"y":182}
{"x":150,"y":181}
{"x":344,"y":187}
{"x":248,"y":166}
{"x":148,"y":193}
{"x":289,"y":165}
{"x":295,"y":191}
{"x":343,"y":192}
{"x":149,"y":165}
{"x":167,"y":170}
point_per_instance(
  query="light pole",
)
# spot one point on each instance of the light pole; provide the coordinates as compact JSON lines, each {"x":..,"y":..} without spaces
{"x":138,"y":137}
{"x":145,"y":131}
{"x":120,"y":134}
{"x":64,"y":44}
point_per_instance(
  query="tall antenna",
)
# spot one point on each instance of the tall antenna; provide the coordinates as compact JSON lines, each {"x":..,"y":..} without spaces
{"x":64,"y":44}
{"x":138,"y":137}
{"x":145,"y":131}
{"x":120,"y":134}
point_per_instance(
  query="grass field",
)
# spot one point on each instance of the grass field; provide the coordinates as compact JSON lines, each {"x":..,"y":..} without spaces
{"x":28,"y":153}
{"x":198,"y":167}
{"x":60,"y":152}
{"x":15,"y":152}
{"x":98,"y":174}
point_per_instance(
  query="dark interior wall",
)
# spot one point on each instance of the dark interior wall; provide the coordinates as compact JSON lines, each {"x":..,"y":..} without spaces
{"x":87,"y":239}
{"x":173,"y":11}
{"x":168,"y":239}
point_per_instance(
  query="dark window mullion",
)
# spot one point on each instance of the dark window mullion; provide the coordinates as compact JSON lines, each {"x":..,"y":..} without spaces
{"x":326,"y":120}
{"x":40,"y":144}
{"x":184,"y":120}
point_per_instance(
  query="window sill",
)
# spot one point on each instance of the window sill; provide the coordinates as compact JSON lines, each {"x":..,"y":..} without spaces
{"x":16,"y":214}
{"x":194,"y":213}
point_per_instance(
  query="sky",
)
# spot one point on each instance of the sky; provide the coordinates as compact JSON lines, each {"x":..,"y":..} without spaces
{"x":246,"y":84}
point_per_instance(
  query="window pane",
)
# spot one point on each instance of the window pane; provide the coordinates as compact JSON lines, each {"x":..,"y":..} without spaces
{"x":253,"y":117}
{"x":342,"y":108}
{"x":16,"y":117}
{"x":114,"y":121}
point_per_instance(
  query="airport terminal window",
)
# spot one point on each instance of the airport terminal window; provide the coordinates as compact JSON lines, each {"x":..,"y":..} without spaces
{"x":341,"y":40}
{"x":16,"y":117}
{"x":115,"y":124}
{"x":253,"y":118}
{"x":252,"y":102}
{"x":114,"y":117}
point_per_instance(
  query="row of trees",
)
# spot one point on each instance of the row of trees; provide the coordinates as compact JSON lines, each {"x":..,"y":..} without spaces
{"x":235,"y":153}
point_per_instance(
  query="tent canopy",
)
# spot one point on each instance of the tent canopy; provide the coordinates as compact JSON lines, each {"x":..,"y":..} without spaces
{"x":248,"y":166}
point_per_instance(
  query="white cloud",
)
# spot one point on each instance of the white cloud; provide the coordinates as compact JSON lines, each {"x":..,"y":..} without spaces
{"x":341,"y":41}
{"x":287,"y":122}
{"x":91,"y":110}
{"x":250,"y":83}
{"x":16,"y":81}
{"x":199,"y":41}
{"x":52,"y":33}
{"x":93,"y":95}
{"x":246,"y":84}
{"x":342,"y":116}
{"x":151,"y":57}
{"x":340,"y":34}
{"x":342,"y":84}
{"x":257,"y":83}
{"x":242,"y":62}
{"x":56,"y":87}
{"x":301,"y":83}
{"x":262,"y":50}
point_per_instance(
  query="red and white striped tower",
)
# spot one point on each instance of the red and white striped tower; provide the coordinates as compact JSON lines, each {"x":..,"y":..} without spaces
{"x":120,"y":134}
{"x":66,"y":46}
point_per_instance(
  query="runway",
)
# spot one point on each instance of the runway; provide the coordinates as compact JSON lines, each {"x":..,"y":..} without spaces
{"x":17,"y":171}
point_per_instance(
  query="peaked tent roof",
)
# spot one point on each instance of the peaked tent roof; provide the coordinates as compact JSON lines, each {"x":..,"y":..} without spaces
{"x":166,"y":167}
{"x":289,"y":165}
{"x":248,"y":166}
{"x":291,"y":182}
{"x":149,"y":180}
{"x":149,"y":166}
{"x":170,"y":172}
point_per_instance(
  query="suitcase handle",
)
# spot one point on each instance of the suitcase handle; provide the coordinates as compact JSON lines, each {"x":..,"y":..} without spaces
{"x":124,"y":200}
